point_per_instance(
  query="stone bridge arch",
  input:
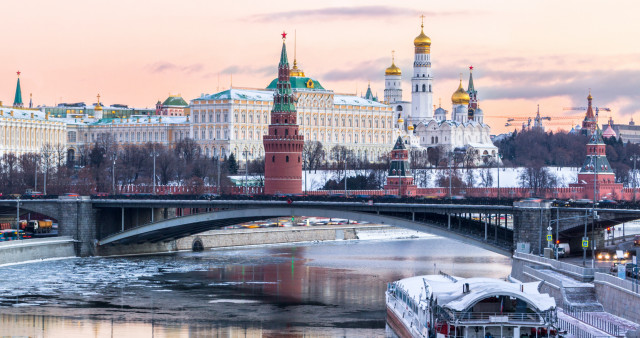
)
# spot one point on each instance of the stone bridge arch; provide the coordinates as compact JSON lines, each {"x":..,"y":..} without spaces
{"x":184,"y":226}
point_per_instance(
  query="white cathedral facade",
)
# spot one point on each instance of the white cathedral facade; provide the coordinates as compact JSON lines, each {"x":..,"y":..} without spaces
{"x":424,"y":128}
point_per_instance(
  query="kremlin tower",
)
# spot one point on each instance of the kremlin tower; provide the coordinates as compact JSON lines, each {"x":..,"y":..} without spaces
{"x":393,"y":83}
{"x":422,"y":80}
{"x":399,"y":175}
{"x":17,"y":101}
{"x":596,"y":176}
{"x":589,"y":123}
{"x":283,"y":145}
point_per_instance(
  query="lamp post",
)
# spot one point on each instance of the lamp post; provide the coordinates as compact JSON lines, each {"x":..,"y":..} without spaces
{"x":634,"y":158}
{"x":154,"y":154}
{"x":499,"y":163}
{"x":35,"y":174}
{"x":345,"y":173}
{"x":450,"y":175}
{"x":246,"y":169}
{"x":114,"y":158}
{"x":218,"y":184}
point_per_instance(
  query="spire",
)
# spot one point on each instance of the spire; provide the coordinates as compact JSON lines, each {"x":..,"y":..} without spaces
{"x":471,"y":87}
{"x":369,"y":94}
{"x":17,"y":101}
{"x":30,"y":100}
{"x":283,"y":97}
{"x":295,"y":71}
{"x":590,"y":114}
{"x":473,"y":94}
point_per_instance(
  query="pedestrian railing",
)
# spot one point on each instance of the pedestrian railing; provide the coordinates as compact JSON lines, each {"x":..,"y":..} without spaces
{"x":594,"y":320}
{"x":574,"y":330}
{"x":628,"y":285}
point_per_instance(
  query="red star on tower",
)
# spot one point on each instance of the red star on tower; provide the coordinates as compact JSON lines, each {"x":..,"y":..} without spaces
{"x":284,"y":35}
{"x":470,"y":67}
{"x":18,"y":72}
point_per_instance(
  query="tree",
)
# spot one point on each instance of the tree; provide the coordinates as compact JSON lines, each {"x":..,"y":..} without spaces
{"x":232,"y":164}
{"x":537,"y":177}
{"x":486,"y":177}
{"x":313,"y":155}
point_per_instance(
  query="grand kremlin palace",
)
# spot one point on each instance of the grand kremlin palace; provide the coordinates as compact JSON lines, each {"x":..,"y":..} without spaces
{"x":24,"y":130}
{"x":234,"y":120}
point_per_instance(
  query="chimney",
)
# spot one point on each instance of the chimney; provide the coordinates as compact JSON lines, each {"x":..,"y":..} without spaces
{"x":46,"y":116}
{"x":160,"y":119}
{"x":465,"y":288}
{"x":32,"y":116}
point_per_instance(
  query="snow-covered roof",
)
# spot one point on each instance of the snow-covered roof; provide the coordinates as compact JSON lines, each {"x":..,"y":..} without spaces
{"x":22,"y":113}
{"x":155,"y":119}
{"x":267,"y":95}
{"x":239,"y":94}
{"x":449,"y":293}
{"x":482,"y":145}
{"x":356,"y":101}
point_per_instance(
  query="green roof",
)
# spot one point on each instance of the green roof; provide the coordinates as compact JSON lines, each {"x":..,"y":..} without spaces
{"x":299,"y":83}
{"x":17,"y":101}
{"x":175,"y":101}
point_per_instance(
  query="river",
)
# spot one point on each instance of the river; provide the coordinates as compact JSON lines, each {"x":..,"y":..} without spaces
{"x":328,"y":289}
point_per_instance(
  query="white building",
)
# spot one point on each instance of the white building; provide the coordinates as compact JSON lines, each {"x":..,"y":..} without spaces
{"x":234,"y":120}
{"x":25,"y":131}
{"x":426,"y":129}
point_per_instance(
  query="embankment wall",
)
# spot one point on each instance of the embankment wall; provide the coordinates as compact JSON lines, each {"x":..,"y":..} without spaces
{"x":35,"y":249}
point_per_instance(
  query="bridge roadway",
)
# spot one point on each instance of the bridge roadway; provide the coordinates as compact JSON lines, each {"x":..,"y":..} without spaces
{"x":417,"y":217}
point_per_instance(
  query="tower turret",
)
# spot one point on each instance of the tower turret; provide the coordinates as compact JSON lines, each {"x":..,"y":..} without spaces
{"x":97,"y":110}
{"x":17,"y":101}
{"x":283,"y":145}
{"x":393,"y":82}
{"x":399,"y":175}
{"x":590,"y":119}
{"x":422,"y":80}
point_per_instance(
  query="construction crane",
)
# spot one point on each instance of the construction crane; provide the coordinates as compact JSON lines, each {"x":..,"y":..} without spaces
{"x":536,"y":120}
{"x":598,"y":109}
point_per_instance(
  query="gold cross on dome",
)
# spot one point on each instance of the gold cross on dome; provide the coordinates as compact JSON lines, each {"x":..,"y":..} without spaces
{"x":393,"y":56}
{"x":422,"y":17}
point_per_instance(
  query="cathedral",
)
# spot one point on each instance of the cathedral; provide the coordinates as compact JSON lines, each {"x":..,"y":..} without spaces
{"x":428,"y":129}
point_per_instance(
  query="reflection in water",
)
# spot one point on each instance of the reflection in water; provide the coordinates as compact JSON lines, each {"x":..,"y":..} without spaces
{"x":328,"y":289}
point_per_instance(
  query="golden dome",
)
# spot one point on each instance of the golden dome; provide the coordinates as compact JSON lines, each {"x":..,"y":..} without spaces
{"x":98,"y":106}
{"x":422,"y":40}
{"x":410,"y":127}
{"x":460,"y":96}
{"x":589,"y":97}
{"x":393,"y":70}
{"x":295,"y":71}
{"x":400,"y":120}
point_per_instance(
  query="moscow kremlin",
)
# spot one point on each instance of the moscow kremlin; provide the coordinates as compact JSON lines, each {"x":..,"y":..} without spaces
{"x":287,"y":206}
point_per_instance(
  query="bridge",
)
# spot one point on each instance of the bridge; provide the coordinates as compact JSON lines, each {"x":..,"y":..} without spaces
{"x":498,"y":228}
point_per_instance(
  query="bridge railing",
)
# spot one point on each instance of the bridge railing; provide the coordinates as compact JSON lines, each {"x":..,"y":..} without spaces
{"x":584,"y":272}
{"x":628,"y":285}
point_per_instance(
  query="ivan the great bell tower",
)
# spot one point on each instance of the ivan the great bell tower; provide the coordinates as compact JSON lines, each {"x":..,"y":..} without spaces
{"x":283,"y":145}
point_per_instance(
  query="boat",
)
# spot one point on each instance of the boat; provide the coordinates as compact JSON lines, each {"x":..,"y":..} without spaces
{"x":439,"y":306}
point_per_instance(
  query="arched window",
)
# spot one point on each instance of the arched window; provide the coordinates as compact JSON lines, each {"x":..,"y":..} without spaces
{"x":287,"y":158}
{"x":275,"y":131}
{"x":424,"y":88}
{"x":429,"y":88}
{"x":273,"y":158}
{"x":286,"y":132}
{"x":416,"y":88}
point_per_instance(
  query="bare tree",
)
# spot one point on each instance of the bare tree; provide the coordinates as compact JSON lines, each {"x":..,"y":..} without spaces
{"x":313,"y":155}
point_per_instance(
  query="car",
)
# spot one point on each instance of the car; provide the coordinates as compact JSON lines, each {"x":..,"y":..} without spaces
{"x":636,"y":240}
{"x":71,"y":194}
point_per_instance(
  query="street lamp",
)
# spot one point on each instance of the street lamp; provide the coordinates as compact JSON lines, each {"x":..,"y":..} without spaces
{"x":246,"y":169}
{"x":634,"y":158}
{"x":499,"y":163}
{"x":154,"y":154}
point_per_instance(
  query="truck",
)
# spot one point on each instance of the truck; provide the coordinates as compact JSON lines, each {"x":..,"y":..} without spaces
{"x":39,"y":227}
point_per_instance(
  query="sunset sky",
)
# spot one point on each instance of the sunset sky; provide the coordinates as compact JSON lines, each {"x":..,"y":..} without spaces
{"x":524,"y":53}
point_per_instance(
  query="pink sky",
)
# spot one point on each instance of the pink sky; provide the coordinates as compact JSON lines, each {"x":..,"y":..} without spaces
{"x":136,"y":52}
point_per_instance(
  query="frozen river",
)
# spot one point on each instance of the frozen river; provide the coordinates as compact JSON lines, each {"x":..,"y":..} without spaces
{"x":329,"y":289}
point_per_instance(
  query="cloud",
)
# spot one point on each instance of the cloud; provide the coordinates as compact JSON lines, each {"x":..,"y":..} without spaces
{"x":607,"y":86}
{"x":163,"y":66}
{"x":367,"y":70}
{"x":337,"y":13}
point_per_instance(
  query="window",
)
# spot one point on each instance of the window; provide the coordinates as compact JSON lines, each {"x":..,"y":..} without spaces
{"x":416,"y":88}
{"x":273,"y":158}
{"x":195,"y":118}
{"x":424,"y":88}
{"x":217,"y":117}
{"x":287,"y":159}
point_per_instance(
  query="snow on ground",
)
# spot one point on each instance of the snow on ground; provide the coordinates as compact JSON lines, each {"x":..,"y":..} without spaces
{"x":390,"y":233}
{"x":426,"y":178}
